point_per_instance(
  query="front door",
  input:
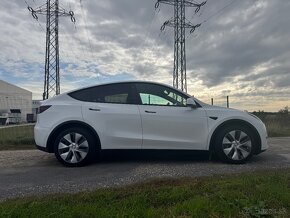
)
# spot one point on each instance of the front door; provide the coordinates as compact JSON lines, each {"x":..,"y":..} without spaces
{"x":166,"y":120}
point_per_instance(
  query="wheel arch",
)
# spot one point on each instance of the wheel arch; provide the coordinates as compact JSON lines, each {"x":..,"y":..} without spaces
{"x":233,"y":122}
{"x":73,"y":123}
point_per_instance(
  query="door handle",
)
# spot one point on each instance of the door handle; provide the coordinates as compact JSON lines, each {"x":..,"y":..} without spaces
{"x":150,"y":112}
{"x":94,"y":109}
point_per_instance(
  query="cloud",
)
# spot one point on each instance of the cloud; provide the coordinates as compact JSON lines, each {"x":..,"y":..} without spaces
{"x":242,"y":51}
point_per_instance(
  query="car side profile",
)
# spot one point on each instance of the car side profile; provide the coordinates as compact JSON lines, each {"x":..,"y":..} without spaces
{"x":76,"y":126}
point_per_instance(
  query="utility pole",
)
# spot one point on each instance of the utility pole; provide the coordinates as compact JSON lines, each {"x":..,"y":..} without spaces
{"x":180,"y":24}
{"x":53,"y":11}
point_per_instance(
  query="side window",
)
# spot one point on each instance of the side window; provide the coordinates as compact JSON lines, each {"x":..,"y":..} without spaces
{"x":153,"y":99}
{"x":118,"y":98}
{"x":113,"y":93}
{"x":152,"y":94}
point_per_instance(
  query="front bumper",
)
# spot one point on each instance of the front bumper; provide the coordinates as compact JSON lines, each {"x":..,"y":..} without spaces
{"x":42,"y":148}
{"x":263,"y":136}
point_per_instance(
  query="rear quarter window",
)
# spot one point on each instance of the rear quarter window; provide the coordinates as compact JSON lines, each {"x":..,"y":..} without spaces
{"x":113,"y":93}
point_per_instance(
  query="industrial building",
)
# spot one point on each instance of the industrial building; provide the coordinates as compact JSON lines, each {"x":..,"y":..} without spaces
{"x":15,"y":103}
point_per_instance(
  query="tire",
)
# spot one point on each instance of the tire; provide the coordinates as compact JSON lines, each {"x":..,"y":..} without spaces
{"x":75,"y":147}
{"x":235,"y":144}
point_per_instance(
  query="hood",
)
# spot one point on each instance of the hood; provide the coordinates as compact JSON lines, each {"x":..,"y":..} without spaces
{"x":222,"y":111}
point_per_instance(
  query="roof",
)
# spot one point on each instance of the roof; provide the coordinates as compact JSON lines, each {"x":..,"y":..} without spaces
{"x":128,"y":81}
{"x":6,"y":87}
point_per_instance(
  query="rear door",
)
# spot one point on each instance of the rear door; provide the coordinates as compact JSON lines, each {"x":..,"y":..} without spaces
{"x":112,"y":112}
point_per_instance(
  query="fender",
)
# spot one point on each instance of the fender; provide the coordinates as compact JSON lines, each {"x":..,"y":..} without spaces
{"x":70,"y":123}
{"x":215,"y":129}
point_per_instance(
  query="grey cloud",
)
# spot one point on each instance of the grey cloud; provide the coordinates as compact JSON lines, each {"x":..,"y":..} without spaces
{"x":223,"y":52}
{"x":124,"y":36}
{"x":145,"y":68}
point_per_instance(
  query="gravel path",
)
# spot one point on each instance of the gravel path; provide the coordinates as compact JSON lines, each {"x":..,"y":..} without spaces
{"x":32,"y":172}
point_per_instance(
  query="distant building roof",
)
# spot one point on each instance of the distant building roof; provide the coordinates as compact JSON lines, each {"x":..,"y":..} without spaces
{"x":6,"y":87}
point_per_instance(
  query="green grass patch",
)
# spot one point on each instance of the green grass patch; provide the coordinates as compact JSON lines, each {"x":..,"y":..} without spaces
{"x":17,"y":138}
{"x":276,"y":129}
{"x":278,"y":124}
{"x":262,"y":194}
{"x":276,"y":132}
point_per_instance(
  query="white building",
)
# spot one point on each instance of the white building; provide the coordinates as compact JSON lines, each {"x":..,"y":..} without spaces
{"x":35,"y":105}
{"x":15,"y":98}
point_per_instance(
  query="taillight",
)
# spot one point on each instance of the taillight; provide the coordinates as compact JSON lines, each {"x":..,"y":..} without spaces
{"x":42,"y":108}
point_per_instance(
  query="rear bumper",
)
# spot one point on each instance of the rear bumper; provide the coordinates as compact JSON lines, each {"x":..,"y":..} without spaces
{"x":40,"y":137}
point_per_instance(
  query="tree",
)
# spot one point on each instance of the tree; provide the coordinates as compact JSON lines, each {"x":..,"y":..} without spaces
{"x":284,"y":110}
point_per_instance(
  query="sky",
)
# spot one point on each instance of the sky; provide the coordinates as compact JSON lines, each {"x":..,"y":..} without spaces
{"x":241,"y":50}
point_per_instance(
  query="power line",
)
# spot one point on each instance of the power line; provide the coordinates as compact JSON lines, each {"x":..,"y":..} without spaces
{"x":219,"y":11}
{"x":39,"y":24}
{"x":86,"y":30}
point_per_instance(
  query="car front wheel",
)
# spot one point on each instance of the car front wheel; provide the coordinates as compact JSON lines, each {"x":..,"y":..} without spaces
{"x":75,"y":147}
{"x":235,"y":144}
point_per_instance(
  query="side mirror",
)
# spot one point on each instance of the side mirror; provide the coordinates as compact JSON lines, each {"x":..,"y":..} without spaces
{"x":190,"y":102}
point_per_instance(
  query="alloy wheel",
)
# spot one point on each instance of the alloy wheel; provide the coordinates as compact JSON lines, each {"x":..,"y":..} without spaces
{"x":237,"y":145}
{"x":73,"y":147}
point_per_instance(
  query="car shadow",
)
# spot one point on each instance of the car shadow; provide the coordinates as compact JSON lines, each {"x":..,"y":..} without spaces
{"x":153,"y":156}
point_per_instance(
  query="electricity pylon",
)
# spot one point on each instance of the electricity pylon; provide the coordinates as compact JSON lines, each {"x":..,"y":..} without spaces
{"x":53,"y":11}
{"x":180,"y":24}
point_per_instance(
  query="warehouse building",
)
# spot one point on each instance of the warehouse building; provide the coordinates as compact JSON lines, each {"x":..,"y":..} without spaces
{"x":15,"y":102}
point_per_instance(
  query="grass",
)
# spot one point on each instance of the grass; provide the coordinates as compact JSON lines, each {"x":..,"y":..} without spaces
{"x":277,"y":129}
{"x":17,"y":138}
{"x":262,"y":194}
{"x":278,"y":125}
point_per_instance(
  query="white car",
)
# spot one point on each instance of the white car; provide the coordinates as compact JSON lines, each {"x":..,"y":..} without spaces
{"x":77,"y":125}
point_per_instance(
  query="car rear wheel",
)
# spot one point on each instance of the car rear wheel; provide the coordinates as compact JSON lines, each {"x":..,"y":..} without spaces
{"x":235,"y":144}
{"x":75,"y":147}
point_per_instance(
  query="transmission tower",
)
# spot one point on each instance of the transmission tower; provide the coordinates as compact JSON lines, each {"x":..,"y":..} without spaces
{"x":53,"y":11}
{"x":180,"y":24}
